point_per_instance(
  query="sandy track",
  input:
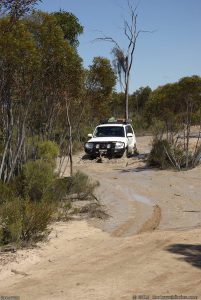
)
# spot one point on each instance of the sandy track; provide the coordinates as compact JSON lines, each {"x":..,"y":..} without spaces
{"x":86,"y":263}
{"x":81,"y":261}
{"x":130,"y":191}
{"x":152,"y":223}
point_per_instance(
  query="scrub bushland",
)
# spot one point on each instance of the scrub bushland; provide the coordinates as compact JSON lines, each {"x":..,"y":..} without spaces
{"x":32,"y":200}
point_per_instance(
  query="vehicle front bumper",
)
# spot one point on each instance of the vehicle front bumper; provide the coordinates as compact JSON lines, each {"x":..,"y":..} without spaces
{"x":102,"y":149}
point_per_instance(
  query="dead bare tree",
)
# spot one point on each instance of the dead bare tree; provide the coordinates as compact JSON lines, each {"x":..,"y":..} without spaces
{"x":123,"y":60}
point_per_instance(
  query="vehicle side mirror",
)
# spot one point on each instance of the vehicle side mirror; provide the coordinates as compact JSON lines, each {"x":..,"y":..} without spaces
{"x":129,"y":135}
{"x":89,"y":135}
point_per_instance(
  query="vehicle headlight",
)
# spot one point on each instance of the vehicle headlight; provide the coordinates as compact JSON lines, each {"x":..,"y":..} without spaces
{"x":89,"y":145}
{"x":119,"y":145}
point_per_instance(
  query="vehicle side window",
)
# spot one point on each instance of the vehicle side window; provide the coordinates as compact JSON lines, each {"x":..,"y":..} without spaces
{"x":129,"y":129}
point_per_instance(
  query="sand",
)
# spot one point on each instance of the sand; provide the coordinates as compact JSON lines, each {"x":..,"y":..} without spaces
{"x":150,"y":246}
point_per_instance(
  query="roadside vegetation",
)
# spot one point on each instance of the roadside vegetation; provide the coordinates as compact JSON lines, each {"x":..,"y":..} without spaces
{"x":174,"y":112}
{"x":42,"y":88}
{"x":36,"y":197}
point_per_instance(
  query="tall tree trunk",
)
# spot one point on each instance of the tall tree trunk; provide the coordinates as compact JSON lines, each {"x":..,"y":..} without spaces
{"x":70,"y":138}
{"x":7,"y":155}
{"x":126,"y":97}
{"x":126,"y":103}
{"x":188,"y":130}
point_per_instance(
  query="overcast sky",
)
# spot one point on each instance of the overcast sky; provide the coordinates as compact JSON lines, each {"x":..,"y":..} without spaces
{"x":171,"y":52}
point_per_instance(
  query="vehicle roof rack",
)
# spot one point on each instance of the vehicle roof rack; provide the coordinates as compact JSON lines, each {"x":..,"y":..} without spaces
{"x":115,"y":121}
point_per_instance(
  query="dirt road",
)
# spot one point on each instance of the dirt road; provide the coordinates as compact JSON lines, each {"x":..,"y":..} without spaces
{"x":149,"y":246}
{"x":134,"y":194}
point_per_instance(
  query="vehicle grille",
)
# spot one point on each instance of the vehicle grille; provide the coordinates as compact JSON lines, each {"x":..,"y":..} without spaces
{"x":103,"y":146}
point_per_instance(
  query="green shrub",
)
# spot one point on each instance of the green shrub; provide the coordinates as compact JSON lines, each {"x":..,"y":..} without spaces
{"x":158,"y":156}
{"x":37,"y":179}
{"x":11,"y":222}
{"x":165,"y":155}
{"x":36,"y":217}
{"x":59,"y":189}
{"x":47,"y":151}
{"x":80,"y":184}
{"x":78,"y":187}
{"x":6,"y":193}
{"x":28,"y":203}
{"x":24,"y":211}
{"x":24,"y":220}
{"x":38,"y":183}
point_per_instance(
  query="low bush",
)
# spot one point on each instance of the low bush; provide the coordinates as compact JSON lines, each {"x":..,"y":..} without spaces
{"x":79,"y":197}
{"x":165,"y":154}
{"x":28,"y":203}
{"x":6,"y":193}
{"x":58,"y":190}
{"x":11,"y":222}
{"x":94,"y":210}
{"x":24,"y":221}
{"x":47,"y":151}
{"x":81,"y":185}
{"x":36,"y":180}
{"x":158,"y":156}
{"x":36,"y":217}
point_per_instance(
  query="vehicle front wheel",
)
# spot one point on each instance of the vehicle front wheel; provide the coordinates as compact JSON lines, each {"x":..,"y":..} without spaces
{"x":130,"y":152}
{"x":135,"y":151}
{"x":125,"y":154}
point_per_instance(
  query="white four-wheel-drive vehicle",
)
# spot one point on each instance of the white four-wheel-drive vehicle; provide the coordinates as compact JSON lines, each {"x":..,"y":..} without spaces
{"x":111,"y":139}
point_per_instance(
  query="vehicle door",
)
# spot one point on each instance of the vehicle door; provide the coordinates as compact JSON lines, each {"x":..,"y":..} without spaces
{"x":130,"y":140}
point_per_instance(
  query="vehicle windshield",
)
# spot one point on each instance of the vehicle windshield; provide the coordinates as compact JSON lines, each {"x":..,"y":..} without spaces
{"x":109,"y":131}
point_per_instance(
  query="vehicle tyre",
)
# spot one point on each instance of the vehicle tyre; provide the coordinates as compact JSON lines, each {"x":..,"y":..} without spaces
{"x":129,"y":153}
{"x":125,"y":154}
{"x":92,"y":157}
{"x":135,"y":151}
